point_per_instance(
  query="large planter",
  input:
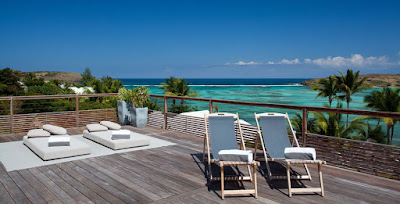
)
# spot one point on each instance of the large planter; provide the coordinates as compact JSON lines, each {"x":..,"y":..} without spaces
{"x":139,"y":116}
{"x":124,"y":112}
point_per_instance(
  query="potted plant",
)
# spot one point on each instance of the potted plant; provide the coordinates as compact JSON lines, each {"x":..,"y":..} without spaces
{"x":139,"y":112}
{"x":131,"y":104}
{"x":125,"y":106}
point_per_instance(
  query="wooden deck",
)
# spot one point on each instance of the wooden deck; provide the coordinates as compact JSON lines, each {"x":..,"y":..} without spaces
{"x":172,"y":174}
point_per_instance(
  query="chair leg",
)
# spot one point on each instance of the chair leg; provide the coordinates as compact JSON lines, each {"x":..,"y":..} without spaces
{"x":255,"y":180}
{"x":288,"y":179}
{"x":307,"y":171}
{"x":251,"y":176}
{"x":222,"y":182}
{"x":320,"y":179}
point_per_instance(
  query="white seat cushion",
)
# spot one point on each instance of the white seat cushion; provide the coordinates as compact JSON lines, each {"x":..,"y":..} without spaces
{"x":55,"y":130}
{"x":96,"y":127}
{"x":40,"y":146}
{"x":111,"y":125}
{"x":59,"y":140}
{"x":105,"y":138}
{"x":38,"y":133}
{"x":303,"y":153}
{"x":120,"y":134}
{"x":236,"y":155}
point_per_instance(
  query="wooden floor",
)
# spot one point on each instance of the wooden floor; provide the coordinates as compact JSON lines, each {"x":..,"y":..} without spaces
{"x":172,"y":174}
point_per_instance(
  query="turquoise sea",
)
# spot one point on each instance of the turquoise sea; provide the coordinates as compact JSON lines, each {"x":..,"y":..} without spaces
{"x":280,"y":91}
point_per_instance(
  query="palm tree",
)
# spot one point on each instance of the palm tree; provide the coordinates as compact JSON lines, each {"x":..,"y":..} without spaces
{"x":332,"y":126}
{"x":297,"y":123}
{"x":385,"y":100}
{"x":327,"y":88}
{"x":178,"y":87}
{"x":350,"y":84}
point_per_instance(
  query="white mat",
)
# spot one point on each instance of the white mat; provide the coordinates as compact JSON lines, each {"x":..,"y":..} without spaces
{"x":15,"y":155}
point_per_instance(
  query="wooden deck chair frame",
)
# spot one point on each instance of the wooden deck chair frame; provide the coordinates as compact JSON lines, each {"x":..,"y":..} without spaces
{"x":252,"y":175}
{"x":288,"y":163}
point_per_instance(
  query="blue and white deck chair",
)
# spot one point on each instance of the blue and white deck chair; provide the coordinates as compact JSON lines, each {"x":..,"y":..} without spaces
{"x":221,"y":135}
{"x":274,"y":139}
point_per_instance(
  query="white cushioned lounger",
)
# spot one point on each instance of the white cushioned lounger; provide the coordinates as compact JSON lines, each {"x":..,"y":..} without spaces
{"x":104,"y":138}
{"x":40,"y":146}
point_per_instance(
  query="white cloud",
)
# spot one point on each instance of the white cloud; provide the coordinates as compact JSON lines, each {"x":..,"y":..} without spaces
{"x":285,"y":61}
{"x":242,"y":63}
{"x":355,"y":60}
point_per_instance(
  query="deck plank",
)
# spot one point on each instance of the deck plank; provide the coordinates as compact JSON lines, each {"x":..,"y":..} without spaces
{"x":103,"y":184}
{"x":13,"y":190}
{"x":30,"y":193}
{"x":145,"y":195}
{"x":125,"y":173}
{"x":111,"y":180}
{"x":72,"y":191}
{"x":53,"y":187}
{"x":90,"y":184}
{"x":173,"y":174}
{"x":4,"y":196}
{"x":39,"y":187}
{"x":77,"y":185}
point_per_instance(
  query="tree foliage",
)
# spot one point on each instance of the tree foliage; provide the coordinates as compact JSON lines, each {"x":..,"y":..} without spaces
{"x":178,"y":87}
{"x":9,"y":82}
{"x":32,"y":80}
{"x":387,"y":100}
{"x":327,"y":88}
{"x":350,"y":84}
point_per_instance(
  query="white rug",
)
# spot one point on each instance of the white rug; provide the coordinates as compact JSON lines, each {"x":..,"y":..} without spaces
{"x":15,"y":155}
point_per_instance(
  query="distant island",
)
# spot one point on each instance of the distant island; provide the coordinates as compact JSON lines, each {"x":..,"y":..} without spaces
{"x":375,"y":80}
{"x":53,"y":75}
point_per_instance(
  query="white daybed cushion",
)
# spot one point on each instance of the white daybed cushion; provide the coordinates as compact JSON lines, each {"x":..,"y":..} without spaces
{"x":104,"y":138}
{"x":38,"y":133}
{"x":55,"y":130}
{"x":111,"y":125}
{"x":59,"y":140}
{"x":40,"y":146}
{"x":303,"y":153}
{"x":96,"y":127}
{"x":236,"y":155}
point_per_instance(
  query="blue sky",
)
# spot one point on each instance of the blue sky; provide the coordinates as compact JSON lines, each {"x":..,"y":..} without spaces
{"x":201,"y":39}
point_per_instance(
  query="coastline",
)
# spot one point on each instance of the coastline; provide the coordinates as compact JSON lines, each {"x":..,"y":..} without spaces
{"x":375,"y":80}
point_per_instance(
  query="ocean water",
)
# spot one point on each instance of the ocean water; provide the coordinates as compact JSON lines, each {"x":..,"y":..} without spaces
{"x":280,"y":91}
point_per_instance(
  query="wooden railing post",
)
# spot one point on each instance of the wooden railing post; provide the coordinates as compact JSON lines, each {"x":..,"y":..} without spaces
{"x":304,"y":129}
{"x":211,"y":106}
{"x":165,"y":112}
{"x":12,"y":115}
{"x":77,"y":109}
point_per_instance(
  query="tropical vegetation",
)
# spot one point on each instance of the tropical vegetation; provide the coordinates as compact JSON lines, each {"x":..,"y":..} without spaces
{"x":178,"y":87}
{"x":13,"y":83}
{"x":350,"y":84}
{"x":139,"y":97}
{"x":327,"y":88}
{"x":342,"y":87}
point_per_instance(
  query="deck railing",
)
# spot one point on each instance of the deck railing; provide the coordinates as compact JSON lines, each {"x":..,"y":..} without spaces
{"x":368,"y":157}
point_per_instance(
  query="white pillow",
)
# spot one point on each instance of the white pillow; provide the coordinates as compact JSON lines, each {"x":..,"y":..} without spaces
{"x":235,"y":155}
{"x":55,"y":130}
{"x":96,"y":127}
{"x":38,"y":133}
{"x":111,"y":125}
{"x":303,"y":153}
